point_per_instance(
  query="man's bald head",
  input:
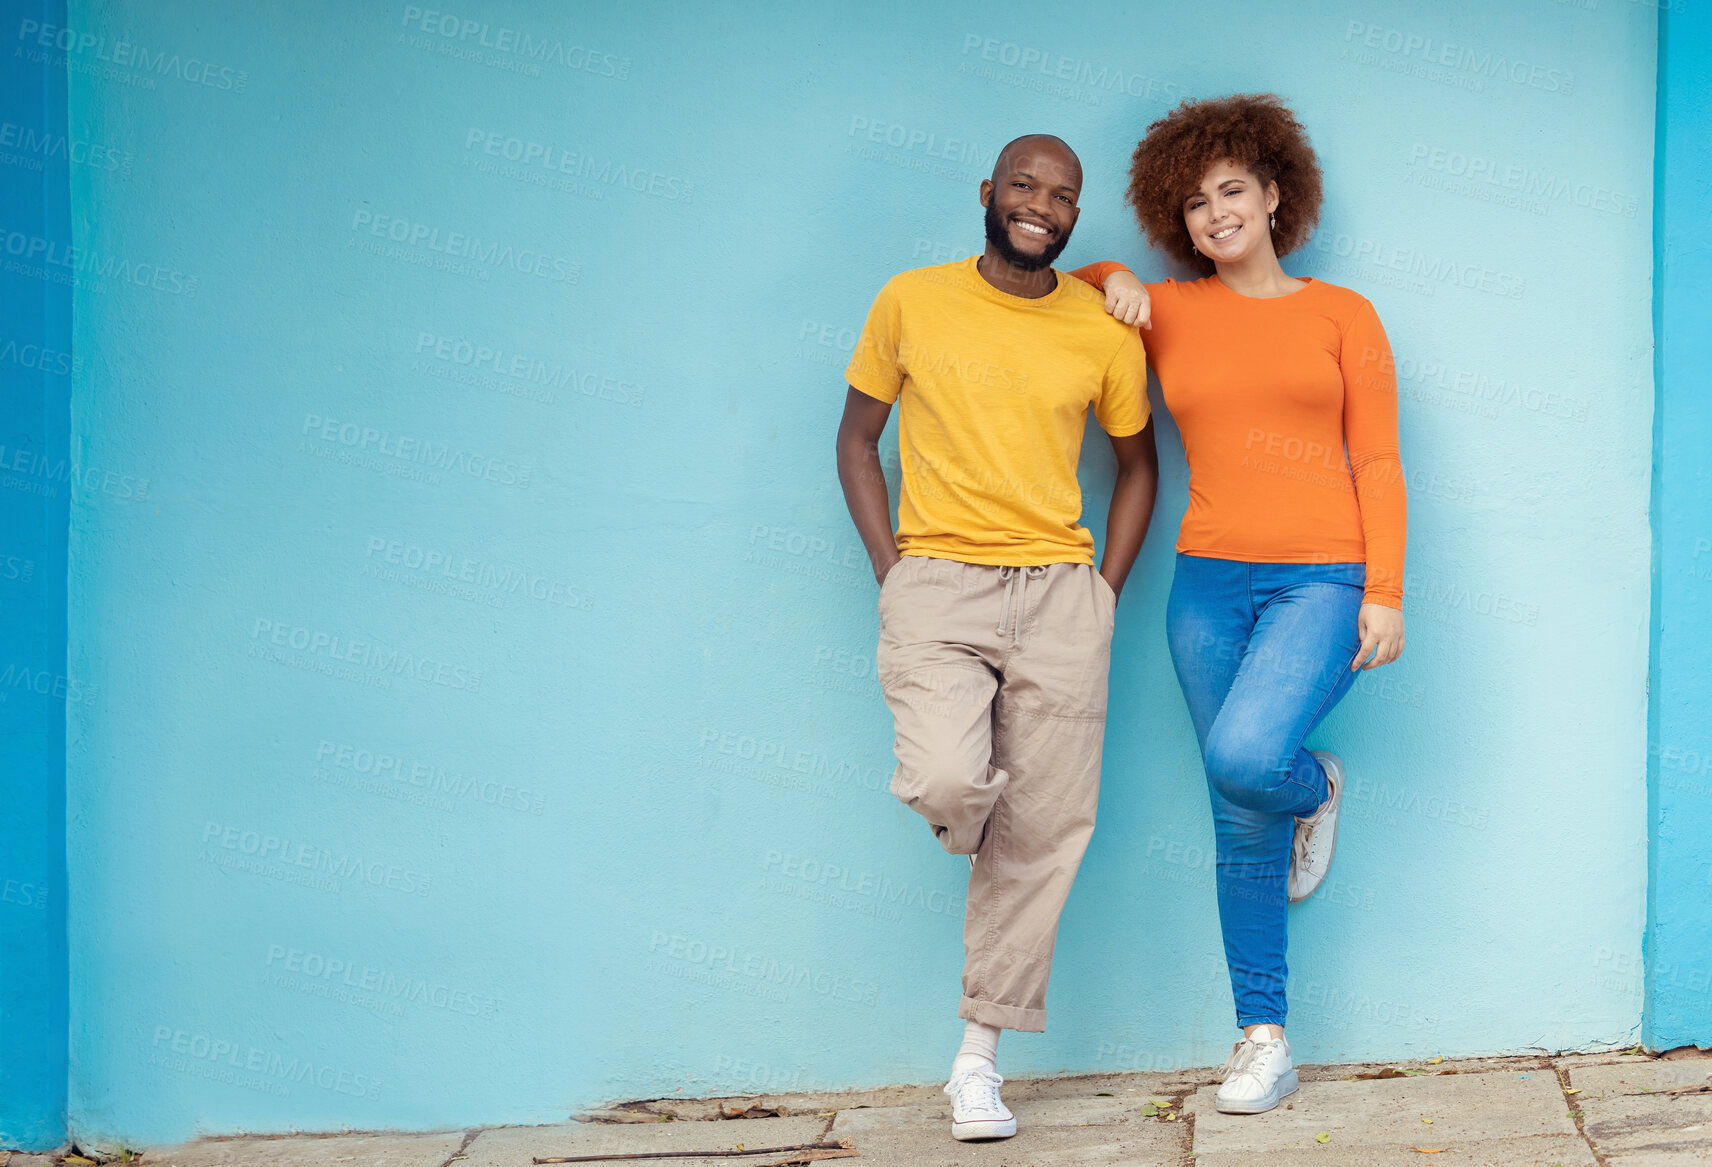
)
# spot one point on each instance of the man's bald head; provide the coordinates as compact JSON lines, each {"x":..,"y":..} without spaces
{"x":1031,"y":201}
{"x":1049,"y":144}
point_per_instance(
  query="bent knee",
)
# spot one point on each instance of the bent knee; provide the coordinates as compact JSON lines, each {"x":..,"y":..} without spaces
{"x":941,"y":781}
{"x":950,"y":794}
{"x":1244,"y":772}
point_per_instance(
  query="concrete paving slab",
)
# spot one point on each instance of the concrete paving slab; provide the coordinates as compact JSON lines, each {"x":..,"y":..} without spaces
{"x":1634,"y":1123}
{"x":1537,"y":1151}
{"x":1464,"y":1108}
{"x":366,"y":1150}
{"x":1336,"y":1072}
{"x":1038,"y":1112}
{"x":514,"y":1146}
{"x":1086,"y":1130}
{"x":1496,"y":1112}
{"x":793,"y":1105}
{"x":926,"y":1094}
{"x":1121,"y":1085}
{"x":868,"y":1119}
{"x":1143,"y":1143}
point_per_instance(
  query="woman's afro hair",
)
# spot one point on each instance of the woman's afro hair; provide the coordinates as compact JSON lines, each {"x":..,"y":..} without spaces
{"x":1256,"y":132}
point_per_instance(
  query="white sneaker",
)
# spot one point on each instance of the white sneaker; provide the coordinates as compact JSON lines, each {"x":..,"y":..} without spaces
{"x":1316,"y":835}
{"x":976,"y":1111}
{"x":1257,"y":1077}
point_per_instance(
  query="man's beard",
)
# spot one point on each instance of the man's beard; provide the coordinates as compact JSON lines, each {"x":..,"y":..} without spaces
{"x":1000,"y":238}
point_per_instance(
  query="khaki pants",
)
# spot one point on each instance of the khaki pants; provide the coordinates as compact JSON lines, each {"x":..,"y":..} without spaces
{"x":996,"y":679}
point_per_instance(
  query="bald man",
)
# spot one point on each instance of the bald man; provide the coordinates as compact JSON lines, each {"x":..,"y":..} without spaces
{"x":995,"y":627}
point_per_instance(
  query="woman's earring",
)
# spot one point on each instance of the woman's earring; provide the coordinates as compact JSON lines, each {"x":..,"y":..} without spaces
{"x":1195,"y":249}
{"x":1275,"y":222}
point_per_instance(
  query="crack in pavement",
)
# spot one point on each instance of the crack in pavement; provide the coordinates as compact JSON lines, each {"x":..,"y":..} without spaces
{"x":469,"y":1137}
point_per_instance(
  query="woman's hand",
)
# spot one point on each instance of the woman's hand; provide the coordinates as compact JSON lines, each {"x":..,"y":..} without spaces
{"x":1127,"y":299}
{"x":1381,"y":630}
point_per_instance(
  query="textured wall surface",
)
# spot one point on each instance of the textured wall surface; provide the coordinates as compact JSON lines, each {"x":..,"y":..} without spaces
{"x":1679,"y":942}
{"x":487,"y":720}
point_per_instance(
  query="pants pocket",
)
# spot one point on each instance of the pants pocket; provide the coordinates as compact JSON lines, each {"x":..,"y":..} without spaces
{"x":1107,"y":600}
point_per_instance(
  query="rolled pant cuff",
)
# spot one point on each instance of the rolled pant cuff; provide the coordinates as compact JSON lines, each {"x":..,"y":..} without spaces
{"x":1002,"y":1016}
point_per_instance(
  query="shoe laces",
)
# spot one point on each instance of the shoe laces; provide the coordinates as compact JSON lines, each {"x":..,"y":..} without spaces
{"x":1299,"y":848}
{"x":1245,"y":1055}
{"x":976,"y":1089}
{"x":1300,"y":843}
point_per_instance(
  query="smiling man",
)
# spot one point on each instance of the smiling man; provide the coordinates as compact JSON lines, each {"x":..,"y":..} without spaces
{"x":995,"y":628}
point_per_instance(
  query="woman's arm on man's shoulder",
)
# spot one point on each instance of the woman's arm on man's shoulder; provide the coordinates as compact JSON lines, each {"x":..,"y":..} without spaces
{"x":1126,"y":297}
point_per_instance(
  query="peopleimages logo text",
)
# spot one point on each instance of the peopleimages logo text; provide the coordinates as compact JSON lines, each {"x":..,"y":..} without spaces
{"x":1074,"y":70}
{"x":606,"y":171}
{"x":468,"y":32}
{"x":52,"y":255}
{"x":341,"y":865}
{"x":420,"y":451}
{"x":458,"y":245}
{"x":1427,"y":50}
{"x":127,"y":54}
{"x":238,"y":1056}
{"x":367,"y":654}
{"x":76,"y":151}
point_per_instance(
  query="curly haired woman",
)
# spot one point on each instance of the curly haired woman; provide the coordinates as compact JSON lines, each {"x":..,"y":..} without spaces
{"x":1289,"y":576}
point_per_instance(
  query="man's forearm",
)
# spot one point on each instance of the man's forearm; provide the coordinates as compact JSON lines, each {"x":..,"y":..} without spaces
{"x":864,"y":484}
{"x":1127,"y":521}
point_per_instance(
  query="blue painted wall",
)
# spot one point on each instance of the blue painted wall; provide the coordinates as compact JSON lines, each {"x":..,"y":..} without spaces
{"x":1679,"y":941}
{"x":37,"y":477}
{"x":487,"y":722}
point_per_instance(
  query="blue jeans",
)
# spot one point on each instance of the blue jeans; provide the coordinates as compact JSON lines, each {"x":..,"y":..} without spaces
{"x":1262,"y":652}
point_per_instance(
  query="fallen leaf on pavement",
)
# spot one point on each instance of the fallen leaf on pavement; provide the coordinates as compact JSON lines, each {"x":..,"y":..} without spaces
{"x":1429,"y":1150}
{"x":1572,"y":1091}
{"x":1323,"y":1137}
{"x":1435,"y":1061}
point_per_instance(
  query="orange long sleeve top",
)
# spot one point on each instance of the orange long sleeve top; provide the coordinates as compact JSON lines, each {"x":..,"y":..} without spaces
{"x":1288,"y":410}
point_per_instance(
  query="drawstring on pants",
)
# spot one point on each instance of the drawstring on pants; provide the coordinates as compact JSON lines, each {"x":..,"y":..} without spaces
{"x":1010,"y":574}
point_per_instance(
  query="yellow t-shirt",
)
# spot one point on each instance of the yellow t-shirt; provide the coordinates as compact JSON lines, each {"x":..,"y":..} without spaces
{"x":994,"y":393}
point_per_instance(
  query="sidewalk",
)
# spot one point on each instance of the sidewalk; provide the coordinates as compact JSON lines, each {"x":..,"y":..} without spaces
{"x":1581,"y":1110}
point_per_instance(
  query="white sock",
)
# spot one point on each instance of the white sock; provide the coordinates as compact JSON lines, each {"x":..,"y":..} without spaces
{"x":980,"y":1048}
